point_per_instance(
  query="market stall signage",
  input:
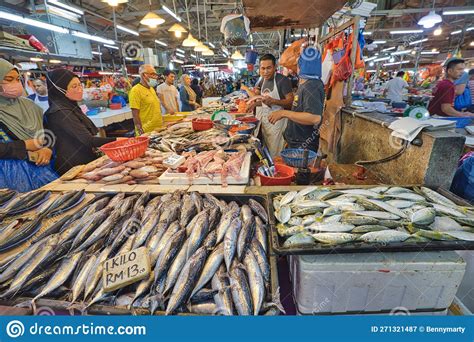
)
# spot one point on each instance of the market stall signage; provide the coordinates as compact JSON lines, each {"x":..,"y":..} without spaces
{"x":125,"y":269}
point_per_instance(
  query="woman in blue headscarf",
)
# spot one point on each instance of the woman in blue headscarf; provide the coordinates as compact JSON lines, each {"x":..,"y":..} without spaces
{"x":305,"y":116}
{"x":21,"y":131}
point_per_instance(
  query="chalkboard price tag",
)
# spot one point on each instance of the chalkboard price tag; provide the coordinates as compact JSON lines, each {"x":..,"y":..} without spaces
{"x":125,"y":269}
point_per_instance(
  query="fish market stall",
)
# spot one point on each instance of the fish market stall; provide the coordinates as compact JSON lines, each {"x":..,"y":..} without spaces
{"x":204,"y":255}
{"x":381,"y":245}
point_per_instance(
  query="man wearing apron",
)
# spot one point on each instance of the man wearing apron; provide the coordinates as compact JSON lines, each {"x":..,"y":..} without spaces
{"x":278,"y":94}
{"x":302,"y":130}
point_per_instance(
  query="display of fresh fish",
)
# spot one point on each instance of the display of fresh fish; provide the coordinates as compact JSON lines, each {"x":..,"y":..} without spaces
{"x":384,"y":236}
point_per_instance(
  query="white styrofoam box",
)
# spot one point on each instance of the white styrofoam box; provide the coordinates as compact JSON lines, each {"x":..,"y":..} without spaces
{"x":407,"y":313}
{"x":375,"y":282}
{"x":466,"y":289}
{"x":182,"y":179}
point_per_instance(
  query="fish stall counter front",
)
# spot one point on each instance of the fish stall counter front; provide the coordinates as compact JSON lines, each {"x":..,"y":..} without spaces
{"x":431,"y":159}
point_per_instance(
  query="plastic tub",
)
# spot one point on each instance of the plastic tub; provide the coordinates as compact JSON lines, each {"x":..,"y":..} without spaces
{"x":126,"y":149}
{"x":294,"y":157}
{"x":285,"y":176}
{"x":93,"y":111}
{"x":115,"y":106}
{"x":243,"y":129}
{"x":202,"y":124}
{"x":249,"y":119}
{"x":460,"y":122}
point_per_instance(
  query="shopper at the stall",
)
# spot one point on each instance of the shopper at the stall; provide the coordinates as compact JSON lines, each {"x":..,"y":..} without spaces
{"x":168,"y":93}
{"x":144,"y":102}
{"x":305,"y":116}
{"x":396,"y":88}
{"x":40,"y":96}
{"x":187,"y":95}
{"x":197,"y":89}
{"x":444,"y":93}
{"x":277,"y":94}
{"x":21,"y":131}
{"x":73,"y":132}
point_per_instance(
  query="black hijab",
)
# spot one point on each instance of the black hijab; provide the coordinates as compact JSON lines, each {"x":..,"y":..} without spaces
{"x":57,"y":81}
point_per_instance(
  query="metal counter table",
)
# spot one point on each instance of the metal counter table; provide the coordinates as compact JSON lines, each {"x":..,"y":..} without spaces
{"x":110,"y":116}
{"x":366,"y":136}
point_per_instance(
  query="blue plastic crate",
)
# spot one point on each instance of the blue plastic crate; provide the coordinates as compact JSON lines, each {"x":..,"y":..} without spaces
{"x":294,"y":157}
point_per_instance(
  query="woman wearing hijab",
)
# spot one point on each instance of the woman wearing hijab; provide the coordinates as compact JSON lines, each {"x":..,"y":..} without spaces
{"x":73,"y":130}
{"x":21,"y":129}
{"x":187,"y":95}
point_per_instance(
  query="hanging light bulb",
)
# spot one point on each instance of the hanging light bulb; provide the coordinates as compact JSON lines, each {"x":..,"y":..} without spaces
{"x":237,"y":55}
{"x":438,"y":31}
{"x":178,"y":30}
{"x":430,"y":20}
{"x":208,"y":52}
{"x":114,"y":3}
{"x":151,"y":19}
{"x":190,"y":41}
{"x":200,"y":47}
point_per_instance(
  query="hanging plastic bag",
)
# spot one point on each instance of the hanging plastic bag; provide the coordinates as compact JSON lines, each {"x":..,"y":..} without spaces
{"x":464,"y":100}
{"x":23,"y":176}
{"x":328,"y":64}
{"x":289,"y":57}
{"x":236,"y":28}
{"x":343,"y":70}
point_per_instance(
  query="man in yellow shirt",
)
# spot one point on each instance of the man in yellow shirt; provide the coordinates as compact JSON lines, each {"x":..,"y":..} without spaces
{"x":144,"y":102}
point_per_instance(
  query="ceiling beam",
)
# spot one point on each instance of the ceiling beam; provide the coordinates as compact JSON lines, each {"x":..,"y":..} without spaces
{"x":395,"y":12}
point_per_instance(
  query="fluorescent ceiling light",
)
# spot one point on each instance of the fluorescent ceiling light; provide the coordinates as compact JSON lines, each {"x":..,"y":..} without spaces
{"x":181,"y":51}
{"x":404,"y":52}
{"x":470,"y":28}
{"x":91,"y":37}
{"x":456,"y":12}
{"x":180,"y":55}
{"x":252,"y":47}
{"x":212,"y":45}
{"x":105,"y":73}
{"x":202,"y":59}
{"x":55,"y":61}
{"x":368,"y":33}
{"x":371,"y":71}
{"x":429,"y":52}
{"x":369,"y":59}
{"x":472,"y":44}
{"x":63,"y":13}
{"x":396,"y":63}
{"x":125,"y":29}
{"x":456,"y":32}
{"x":129,"y":59}
{"x":419,"y":41}
{"x":389,"y":49}
{"x":381,"y":59}
{"x":160,"y":42}
{"x":36,"y":59}
{"x":97,"y":53}
{"x":177,"y":61}
{"x":406,"y":31}
{"x":111,"y":47}
{"x":31,"y":22}
{"x":170,"y":12}
{"x":193,"y":56}
{"x":67,"y":7}
{"x":379,"y":42}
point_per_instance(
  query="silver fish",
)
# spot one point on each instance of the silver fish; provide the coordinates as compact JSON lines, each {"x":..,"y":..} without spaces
{"x":462,"y":235}
{"x":283,"y":214}
{"x":79,"y":284}
{"x":358,"y":219}
{"x":96,"y":272}
{"x":387,"y":207}
{"x":288,"y":198}
{"x":161,"y":244}
{"x":444,"y":224}
{"x":186,"y":280}
{"x":142,"y":288}
{"x":299,"y":239}
{"x":261,"y":257}
{"x":223,"y":297}
{"x":424,"y":216}
{"x":429,"y":234}
{"x":381,"y":215}
{"x":19,"y":261}
{"x":197,"y":235}
{"x":256,"y":282}
{"x":212,"y":264}
{"x":334,"y":238}
{"x":258,"y":209}
{"x":246,"y":213}
{"x":261,"y":232}
{"x":435,"y":197}
{"x":146,"y":229}
{"x":240,"y":291}
{"x":230,"y":241}
{"x":168,"y":253}
{"x":65,"y":270}
{"x":116,"y":200}
{"x":384,"y":236}
{"x":246,"y":235}
{"x":209,"y":308}
{"x":401,"y":204}
{"x":188,"y":210}
{"x":409,"y":196}
{"x":330,"y":227}
{"x":445,"y":210}
{"x":368,"y":228}
{"x":224,"y":224}
{"x":176,"y":267}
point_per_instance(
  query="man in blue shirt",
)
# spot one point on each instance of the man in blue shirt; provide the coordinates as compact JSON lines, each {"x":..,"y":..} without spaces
{"x":40,"y":97}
